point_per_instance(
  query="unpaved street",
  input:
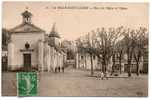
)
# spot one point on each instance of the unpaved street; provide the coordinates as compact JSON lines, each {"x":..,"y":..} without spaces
{"x":75,"y":82}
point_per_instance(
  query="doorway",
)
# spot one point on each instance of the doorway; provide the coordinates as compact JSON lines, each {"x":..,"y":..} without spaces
{"x":27,"y":61}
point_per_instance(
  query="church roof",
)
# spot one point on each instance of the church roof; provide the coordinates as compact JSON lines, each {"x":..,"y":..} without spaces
{"x":53,"y":32}
{"x":26,"y":28}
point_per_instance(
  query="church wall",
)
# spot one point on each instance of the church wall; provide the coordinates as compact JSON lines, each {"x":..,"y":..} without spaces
{"x":56,"y":40}
{"x":10,"y":55}
{"x":51,"y":58}
{"x":19,"y":40}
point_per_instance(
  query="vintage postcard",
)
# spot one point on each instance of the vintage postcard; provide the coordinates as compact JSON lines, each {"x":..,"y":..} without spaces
{"x":97,"y":49}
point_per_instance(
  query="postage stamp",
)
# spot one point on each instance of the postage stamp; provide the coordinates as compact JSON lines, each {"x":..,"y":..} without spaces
{"x":27,"y":83}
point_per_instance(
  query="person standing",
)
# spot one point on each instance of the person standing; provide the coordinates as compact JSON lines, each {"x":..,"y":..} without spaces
{"x":102,"y":75}
{"x":63,"y":69}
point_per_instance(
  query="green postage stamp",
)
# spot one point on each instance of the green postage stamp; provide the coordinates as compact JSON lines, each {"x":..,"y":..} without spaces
{"x":27,"y":83}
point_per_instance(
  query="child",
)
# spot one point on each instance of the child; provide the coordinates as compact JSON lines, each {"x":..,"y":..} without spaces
{"x":102,"y":75}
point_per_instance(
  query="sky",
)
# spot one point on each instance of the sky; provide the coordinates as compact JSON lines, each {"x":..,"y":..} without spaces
{"x":81,"y":19}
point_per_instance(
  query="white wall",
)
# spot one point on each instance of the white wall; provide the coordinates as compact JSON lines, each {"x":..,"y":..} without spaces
{"x":19,"y":40}
{"x":85,"y":63}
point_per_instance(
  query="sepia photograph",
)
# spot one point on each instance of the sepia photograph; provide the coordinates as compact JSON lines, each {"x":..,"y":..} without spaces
{"x":74,"y":49}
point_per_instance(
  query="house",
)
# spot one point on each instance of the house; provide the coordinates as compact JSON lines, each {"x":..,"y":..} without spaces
{"x":83,"y":61}
{"x":145,"y":59}
{"x":124,"y":64}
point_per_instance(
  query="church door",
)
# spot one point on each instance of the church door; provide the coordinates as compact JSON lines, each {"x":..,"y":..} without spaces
{"x":27,"y":61}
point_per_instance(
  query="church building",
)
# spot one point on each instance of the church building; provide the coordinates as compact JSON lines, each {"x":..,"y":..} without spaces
{"x":30,"y":48}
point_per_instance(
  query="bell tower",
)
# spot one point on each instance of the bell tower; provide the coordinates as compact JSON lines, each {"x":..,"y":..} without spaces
{"x":26,"y":17}
{"x":54,"y":36}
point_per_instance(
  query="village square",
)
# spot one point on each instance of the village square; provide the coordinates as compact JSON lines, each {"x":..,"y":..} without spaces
{"x":103,"y":62}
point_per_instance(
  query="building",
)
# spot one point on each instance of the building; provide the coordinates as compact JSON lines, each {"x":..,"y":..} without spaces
{"x":5,"y":39}
{"x":145,"y":60}
{"x":69,"y":47}
{"x":30,"y":47}
{"x":83,"y":61}
{"x":4,"y":60}
{"x":124,"y":64}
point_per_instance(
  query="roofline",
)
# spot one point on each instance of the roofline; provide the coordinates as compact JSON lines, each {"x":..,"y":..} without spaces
{"x":20,"y":32}
{"x":12,"y":30}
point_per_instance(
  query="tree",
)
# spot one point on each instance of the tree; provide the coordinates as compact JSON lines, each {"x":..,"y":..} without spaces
{"x":106,"y":43}
{"x":140,"y":41}
{"x":70,"y":48}
{"x":91,"y":46}
{"x":87,"y":45}
{"x":120,"y":52}
{"x":5,"y":38}
{"x":129,"y":43}
{"x":111,"y":42}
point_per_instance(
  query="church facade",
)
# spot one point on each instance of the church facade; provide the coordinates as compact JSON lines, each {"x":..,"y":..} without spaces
{"x":31,"y":48}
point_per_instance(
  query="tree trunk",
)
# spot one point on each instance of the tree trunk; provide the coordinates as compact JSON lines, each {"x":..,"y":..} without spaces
{"x":120,"y":63}
{"x":137,"y":57}
{"x":129,"y":62}
{"x":91,"y":57}
{"x":129,"y":68}
{"x":113,"y":66}
{"x":137,"y":68}
{"x":103,"y":65}
{"x":85,"y":65}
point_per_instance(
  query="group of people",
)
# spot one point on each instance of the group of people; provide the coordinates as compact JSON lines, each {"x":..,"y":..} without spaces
{"x":59,"y":69}
{"x":102,"y":75}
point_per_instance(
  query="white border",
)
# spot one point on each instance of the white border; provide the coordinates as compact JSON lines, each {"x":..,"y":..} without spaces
{"x":86,"y":0}
{"x":81,"y":98}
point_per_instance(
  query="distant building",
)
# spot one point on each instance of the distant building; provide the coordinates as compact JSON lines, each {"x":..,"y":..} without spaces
{"x":124,"y":65}
{"x":31,"y":49}
{"x":69,"y":47}
{"x":145,"y":60}
{"x":83,"y":61}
